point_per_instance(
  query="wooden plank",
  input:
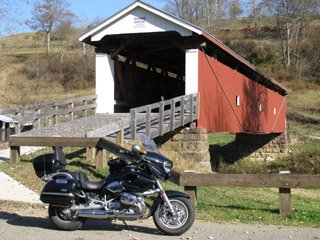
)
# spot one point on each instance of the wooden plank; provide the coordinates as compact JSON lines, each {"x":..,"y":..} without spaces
{"x":109,"y":129}
{"x":246,"y":180}
{"x":53,"y":141}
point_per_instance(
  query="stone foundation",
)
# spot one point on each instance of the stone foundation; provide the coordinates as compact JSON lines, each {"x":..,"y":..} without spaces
{"x":265,"y":147}
{"x":191,"y":145}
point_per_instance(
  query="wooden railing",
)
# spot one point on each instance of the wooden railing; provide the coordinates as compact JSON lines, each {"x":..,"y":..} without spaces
{"x":162,"y":117}
{"x":48,"y":114}
{"x":284,"y":181}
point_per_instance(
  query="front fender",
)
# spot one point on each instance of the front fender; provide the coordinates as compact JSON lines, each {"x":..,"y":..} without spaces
{"x":169,"y":194}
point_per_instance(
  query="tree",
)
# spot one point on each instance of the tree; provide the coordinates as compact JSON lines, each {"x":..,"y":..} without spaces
{"x":47,"y":15}
{"x":204,"y":13}
{"x":292,"y":19}
{"x":235,"y":9}
{"x":256,"y":11}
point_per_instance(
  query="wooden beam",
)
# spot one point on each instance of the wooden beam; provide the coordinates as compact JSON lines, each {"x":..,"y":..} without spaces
{"x":246,"y":180}
{"x":53,"y":141}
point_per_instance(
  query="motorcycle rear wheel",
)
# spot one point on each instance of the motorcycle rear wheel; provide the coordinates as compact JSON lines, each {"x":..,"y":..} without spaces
{"x":178,"y":223}
{"x":64,"y":219}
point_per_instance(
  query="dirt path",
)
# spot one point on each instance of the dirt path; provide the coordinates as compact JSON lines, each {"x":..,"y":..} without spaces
{"x":32,"y":223}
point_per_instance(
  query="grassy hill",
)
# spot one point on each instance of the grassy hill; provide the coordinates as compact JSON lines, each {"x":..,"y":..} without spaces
{"x":27,"y":76}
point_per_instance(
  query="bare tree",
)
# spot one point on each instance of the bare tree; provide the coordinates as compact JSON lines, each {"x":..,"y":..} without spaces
{"x":47,"y":14}
{"x":64,"y":34}
{"x":256,"y":11}
{"x":235,"y":9}
{"x":204,"y":13}
{"x":292,"y":18}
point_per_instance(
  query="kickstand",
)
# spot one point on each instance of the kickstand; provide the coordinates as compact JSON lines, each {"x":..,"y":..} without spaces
{"x":124,"y":222}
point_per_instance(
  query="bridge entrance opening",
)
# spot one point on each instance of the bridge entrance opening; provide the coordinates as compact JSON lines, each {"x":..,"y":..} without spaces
{"x":148,"y":68}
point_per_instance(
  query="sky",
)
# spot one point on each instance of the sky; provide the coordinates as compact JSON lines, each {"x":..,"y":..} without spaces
{"x":86,"y":10}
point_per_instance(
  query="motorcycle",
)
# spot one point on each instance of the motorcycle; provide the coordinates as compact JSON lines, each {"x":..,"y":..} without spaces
{"x":134,"y":177}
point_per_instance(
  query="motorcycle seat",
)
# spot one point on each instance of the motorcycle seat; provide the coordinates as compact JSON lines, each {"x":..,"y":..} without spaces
{"x":88,"y":185}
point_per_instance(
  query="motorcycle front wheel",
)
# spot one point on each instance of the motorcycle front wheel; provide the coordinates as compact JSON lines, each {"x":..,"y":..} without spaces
{"x":177,"y":223}
{"x":62,"y":218}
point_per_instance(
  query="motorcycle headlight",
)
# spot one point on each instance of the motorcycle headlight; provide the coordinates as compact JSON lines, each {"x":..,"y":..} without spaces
{"x":167,"y":165}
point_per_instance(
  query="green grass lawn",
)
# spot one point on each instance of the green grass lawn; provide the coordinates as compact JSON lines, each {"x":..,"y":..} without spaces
{"x":243,"y":205}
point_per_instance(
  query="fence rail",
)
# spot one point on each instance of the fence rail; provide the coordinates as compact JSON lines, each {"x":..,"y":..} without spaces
{"x":283,"y":181}
{"x":45,"y":114}
{"x":164,"y":116}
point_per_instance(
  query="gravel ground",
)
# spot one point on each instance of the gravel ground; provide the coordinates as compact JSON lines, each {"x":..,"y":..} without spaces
{"x":30,"y":222}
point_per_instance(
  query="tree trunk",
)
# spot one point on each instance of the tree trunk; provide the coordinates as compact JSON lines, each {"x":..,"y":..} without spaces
{"x":48,"y":43}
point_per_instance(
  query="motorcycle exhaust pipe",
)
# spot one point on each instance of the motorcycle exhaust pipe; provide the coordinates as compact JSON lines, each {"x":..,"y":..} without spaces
{"x":94,"y":214}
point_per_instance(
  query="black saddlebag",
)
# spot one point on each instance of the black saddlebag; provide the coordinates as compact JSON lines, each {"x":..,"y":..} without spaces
{"x":60,"y":191}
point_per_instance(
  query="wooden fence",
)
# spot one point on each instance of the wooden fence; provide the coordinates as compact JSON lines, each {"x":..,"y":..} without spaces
{"x":283,"y":181}
{"x":164,"y":116}
{"x":45,"y":114}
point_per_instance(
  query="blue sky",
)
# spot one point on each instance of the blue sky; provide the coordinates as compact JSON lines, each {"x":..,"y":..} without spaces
{"x":86,"y":10}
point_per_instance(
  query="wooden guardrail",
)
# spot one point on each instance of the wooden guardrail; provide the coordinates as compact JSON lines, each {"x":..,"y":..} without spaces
{"x":164,"y":116}
{"x":284,"y":181}
{"x":46,"y":114}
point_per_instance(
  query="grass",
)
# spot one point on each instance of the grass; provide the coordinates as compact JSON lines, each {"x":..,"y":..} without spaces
{"x":243,"y":205}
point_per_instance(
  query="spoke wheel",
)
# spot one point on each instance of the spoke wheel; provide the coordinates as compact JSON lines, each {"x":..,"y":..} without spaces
{"x":175,"y":223}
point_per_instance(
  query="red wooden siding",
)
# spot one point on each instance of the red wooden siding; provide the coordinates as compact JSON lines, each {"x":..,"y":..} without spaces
{"x":218,"y":110}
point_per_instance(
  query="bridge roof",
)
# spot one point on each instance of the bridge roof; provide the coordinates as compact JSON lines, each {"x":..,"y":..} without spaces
{"x":145,"y":20}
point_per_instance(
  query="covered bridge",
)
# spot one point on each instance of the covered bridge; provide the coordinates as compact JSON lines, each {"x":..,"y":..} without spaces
{"x":144,"y":55}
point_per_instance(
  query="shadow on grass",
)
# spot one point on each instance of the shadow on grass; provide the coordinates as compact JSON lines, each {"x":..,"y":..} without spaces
{"x":91,"y":169}
{"x":242,"y":208}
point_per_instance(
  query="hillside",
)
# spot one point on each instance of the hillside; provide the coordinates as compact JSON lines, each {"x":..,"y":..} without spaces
{"x":27,"y":76}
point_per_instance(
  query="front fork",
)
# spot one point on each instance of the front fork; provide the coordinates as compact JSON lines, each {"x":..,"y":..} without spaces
{"x":164,"y":197}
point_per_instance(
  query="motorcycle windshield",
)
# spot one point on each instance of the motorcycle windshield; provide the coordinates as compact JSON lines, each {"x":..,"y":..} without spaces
{"x":149,"y":145}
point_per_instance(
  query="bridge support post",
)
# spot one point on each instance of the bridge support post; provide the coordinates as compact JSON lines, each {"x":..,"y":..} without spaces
{"x":101,"y":158}
{"x":15,"y":154}
{"x":90,"y":153}
{"x":191,"y":191}
{"x":284,"y":198}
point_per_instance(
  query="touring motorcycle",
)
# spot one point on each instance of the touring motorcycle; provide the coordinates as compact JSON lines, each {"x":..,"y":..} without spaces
{"x":134,"y":176}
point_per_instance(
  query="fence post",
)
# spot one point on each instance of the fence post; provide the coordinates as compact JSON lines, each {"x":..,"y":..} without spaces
{"x":191,"y":107}
{"x":85,"y":111}
{"x":148,"y":120}
{"x":7,"y":132}
{"x":173,"y":105}
{"x":284,"y":198}
{"x":15,"y":154}
{"x":55,"y":115}
{"x":191,"y":191}
{"x":161,"y":118}
{"x":182,"y":111}
{"x":133,"y":123}
{"x":71,"y":114}
{"x":38,"y":121}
